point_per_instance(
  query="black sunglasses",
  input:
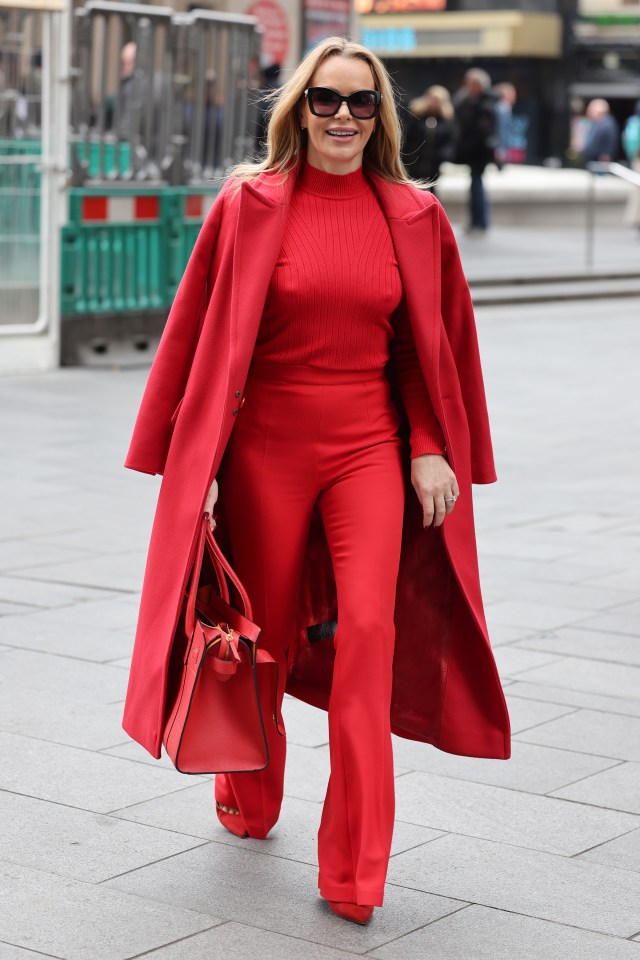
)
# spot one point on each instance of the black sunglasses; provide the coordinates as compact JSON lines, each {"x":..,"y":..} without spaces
{"x":325,"y":102}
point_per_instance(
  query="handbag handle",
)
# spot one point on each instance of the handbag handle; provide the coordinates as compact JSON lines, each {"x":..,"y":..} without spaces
{"x":221,"y":566}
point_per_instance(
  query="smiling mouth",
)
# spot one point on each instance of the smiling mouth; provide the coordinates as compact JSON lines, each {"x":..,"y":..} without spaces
{"x":341,"y":135}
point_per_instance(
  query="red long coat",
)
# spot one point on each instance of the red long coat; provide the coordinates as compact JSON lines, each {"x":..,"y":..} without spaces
{"x":446,"y":689}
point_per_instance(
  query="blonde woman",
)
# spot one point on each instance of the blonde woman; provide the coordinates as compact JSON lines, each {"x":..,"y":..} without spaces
{"x":314,"y":389}
{"x":430,"y":137}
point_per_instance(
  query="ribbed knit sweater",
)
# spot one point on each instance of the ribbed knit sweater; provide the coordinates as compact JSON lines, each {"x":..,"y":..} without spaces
{"x":334,"y":295}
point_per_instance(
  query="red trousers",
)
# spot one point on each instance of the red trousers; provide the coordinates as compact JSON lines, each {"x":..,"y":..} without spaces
{"x":306,"y":434}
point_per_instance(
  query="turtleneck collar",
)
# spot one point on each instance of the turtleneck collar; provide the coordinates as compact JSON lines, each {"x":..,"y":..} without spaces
{"x":337,"y":186}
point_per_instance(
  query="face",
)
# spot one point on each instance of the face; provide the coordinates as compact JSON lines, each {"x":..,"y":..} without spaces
{"x":326,"y":151}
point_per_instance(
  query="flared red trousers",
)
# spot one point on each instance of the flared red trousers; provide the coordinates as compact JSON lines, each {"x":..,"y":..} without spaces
{"x":304,"y":435}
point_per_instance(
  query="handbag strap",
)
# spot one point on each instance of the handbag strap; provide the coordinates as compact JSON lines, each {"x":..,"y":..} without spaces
{"x":221,"y":567}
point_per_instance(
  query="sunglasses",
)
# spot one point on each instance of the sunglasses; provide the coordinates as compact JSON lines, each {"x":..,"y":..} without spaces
{"x":325,"y":102}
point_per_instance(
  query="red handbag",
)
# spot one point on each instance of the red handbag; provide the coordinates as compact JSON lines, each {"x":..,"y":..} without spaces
{"x":216,"y":724}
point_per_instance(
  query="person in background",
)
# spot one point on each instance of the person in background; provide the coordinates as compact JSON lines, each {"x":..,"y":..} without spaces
{"x":430,"y":134}
{"x":603,"y":137}
{"x":631,"y":145}
{"x":270,"y":80}
{"x":507,"y":96}
{"x":476,"y":118}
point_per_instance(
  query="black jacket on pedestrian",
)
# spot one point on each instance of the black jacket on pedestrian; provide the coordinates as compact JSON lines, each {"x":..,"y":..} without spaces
{"x":477,"y":129}
{"x":429,"y":140}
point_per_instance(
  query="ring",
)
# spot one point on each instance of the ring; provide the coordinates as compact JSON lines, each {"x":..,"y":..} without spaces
{"x":449,"y":499}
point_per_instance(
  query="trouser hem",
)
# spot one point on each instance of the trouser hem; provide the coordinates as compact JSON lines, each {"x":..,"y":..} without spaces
{"x":348,"y":894}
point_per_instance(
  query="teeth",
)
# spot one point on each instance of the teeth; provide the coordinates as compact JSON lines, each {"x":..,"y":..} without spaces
{"x":336,"y":134}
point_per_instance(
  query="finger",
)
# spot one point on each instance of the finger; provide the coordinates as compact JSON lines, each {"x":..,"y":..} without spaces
{"x":440,"y":510}
{"x":427,"y":510}
{"x":450,"y":502}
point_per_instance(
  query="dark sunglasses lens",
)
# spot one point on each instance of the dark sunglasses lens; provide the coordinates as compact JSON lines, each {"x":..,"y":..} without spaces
{"x":363,"y":104}
{"x":324,"y":102}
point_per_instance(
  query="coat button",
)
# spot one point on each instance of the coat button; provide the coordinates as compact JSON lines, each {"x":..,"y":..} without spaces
{"x":237,"y":393}
{"x":234,"y":411}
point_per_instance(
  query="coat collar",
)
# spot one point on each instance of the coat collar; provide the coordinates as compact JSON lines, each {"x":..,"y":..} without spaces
{"x":399,"y":201}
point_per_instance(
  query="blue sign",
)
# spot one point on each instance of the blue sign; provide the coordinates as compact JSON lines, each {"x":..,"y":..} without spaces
{"x":398,"y":39}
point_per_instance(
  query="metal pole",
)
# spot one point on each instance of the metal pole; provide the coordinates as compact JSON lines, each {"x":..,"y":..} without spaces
{"x":591,"y":207}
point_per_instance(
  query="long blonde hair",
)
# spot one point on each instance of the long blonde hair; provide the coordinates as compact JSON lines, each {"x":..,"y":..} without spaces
{"x":285,"y":139}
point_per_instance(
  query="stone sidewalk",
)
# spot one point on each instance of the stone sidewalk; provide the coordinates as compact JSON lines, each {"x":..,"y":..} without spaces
{"x":107,"y":854}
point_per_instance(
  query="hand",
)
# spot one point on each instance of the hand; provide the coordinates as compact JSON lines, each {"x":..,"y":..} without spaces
{"x":212,"y":496}
{"x":433,"y":480}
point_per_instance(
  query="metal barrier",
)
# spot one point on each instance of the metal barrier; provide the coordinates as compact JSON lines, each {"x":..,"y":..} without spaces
{"x":179,"y":113}
{"x":598,"y":168}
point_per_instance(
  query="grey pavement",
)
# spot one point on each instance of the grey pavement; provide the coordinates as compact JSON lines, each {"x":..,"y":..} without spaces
{"x":107,"y":854}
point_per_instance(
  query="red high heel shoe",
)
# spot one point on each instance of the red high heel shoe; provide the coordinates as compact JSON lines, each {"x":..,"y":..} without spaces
{"x":232,"y":821}
{"x":358,"y":912}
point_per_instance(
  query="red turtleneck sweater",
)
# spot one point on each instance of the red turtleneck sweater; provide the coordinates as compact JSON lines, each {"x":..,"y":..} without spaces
{"x":333,"y":298}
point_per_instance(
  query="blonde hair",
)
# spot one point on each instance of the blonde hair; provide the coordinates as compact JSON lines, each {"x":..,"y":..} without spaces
{"x":285,"y":139}
{"x":420,"y":105}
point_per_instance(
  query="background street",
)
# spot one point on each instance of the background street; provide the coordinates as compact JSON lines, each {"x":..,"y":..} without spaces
{"x":107,"y":854}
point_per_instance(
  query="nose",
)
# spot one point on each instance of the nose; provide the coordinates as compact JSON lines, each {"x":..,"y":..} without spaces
{"x":343,"y":110}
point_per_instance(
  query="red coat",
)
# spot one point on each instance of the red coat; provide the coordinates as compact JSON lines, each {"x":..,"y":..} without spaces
{"x":446,"y":690}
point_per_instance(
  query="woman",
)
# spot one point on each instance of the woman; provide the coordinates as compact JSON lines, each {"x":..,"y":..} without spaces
{"x":317,"y":273}
{"x":430,"y":134}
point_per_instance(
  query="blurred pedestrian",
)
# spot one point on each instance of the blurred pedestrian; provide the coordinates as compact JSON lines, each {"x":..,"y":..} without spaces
{"x":476,"y":118}
{"x":123,"y":99}
{"x":603,"y":136}
{"x":631,"y":144}
{"x":505,"y":102}
{"x":430,"y":134}
{"x":270,"y":81}
{"x":318,"y":290}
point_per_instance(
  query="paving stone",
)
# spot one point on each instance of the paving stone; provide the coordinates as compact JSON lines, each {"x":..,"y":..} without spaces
{"x":622,"y":852}
{"x":220,"y":878}
{"x":501,"y":935}
{"x":47,"y":716}
{"x":131,"y":750}
{"x":565,"y":890}
{"x":602,"y":734}
{"x":615,"y":621}
{"x":617,"y":788}
{"x":76,"y":844}
{"x":68,"y":639}
{"x":83,"y":921}
{"x":24,"y":552}
{"x":590,"y":644}
{"x":113,"y":612}
{"x":294,"y":837}
{"x":591,"y":676}
{"x":306,"y":726}
{"x":119,"y":571}
{"x":524,"y":714}
{"x":547,"y":693}
{"x":236,"y":941}
{"x":512,"y":660}
{"x":8,"y":952}
{"x":62,"y":676}
{"x":43,"y":594}
{"x":530,"y":768}
{"x":79,"y":778}
{"x":506,"y":816}
{"x":535,"y":616}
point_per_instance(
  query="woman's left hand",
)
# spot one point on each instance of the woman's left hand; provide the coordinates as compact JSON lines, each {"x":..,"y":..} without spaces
{"x":434,"y":481}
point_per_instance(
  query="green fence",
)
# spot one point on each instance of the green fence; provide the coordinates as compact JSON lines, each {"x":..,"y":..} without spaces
{"x":126,"y":249}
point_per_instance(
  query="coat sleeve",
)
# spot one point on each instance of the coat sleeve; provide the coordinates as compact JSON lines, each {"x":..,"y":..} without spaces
{"x":460,"y":327}
{"x":171,"y":365}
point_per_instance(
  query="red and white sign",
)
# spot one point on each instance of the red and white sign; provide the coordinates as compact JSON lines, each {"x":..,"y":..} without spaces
{"x":120,"y":209}
{"x":274,"y":22}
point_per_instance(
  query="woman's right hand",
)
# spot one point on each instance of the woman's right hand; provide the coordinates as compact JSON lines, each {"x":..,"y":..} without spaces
{"x":210,"y":502}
